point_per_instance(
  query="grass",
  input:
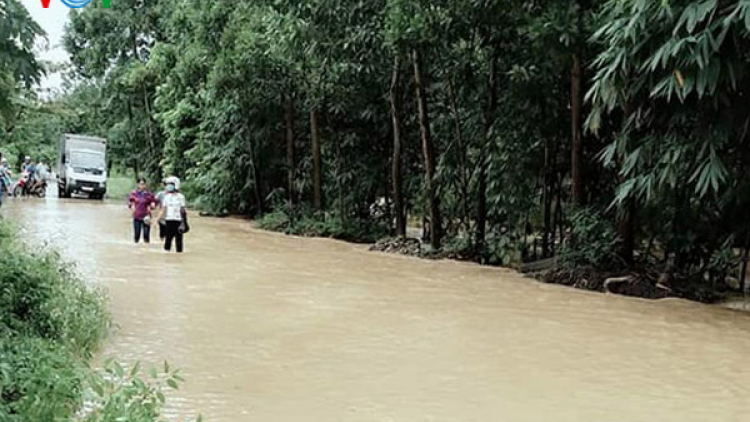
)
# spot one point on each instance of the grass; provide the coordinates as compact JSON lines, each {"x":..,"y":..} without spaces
{"x":119,"y":185}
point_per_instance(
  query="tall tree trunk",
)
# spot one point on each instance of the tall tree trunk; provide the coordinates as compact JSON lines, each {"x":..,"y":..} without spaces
{"x":626,"y":216}
{"x":429,"y":153}
{"x":257,"y":176}
{"x":152,"y":164}
{"x":339,"y":184}
{"x":626,"y":233}
{"x":547,"y":199}
{"x":576,"y":100}
{"x":317,"y":170}
{"x":146,"y":106}
{"x":489,"y":116}
{"x":559,"y":220}
{"x":396,"y":180}
{"x":149,"y":128}
{"x":290,"y":136}
{"x":743,"y":267}
{"x":136,"y":166}
{"x":463,"y":171}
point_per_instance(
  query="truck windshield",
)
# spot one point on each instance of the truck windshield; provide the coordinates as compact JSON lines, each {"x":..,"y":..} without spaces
{"x":87,"y":160}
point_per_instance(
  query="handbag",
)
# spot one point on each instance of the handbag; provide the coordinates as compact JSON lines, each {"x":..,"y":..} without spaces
{"x":184,"y":226}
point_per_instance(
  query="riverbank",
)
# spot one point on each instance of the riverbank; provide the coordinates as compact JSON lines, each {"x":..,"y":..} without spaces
{"x":52,"y":323}
{"x":634,"y":282}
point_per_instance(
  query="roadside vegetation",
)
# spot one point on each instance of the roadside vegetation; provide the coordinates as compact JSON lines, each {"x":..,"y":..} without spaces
{"x":51,"y":324}
{"x":121,"y":183}
{"x":507,"y":127}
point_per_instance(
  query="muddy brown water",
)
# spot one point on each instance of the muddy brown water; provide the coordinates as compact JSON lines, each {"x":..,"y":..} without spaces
{"x":268,"y":328}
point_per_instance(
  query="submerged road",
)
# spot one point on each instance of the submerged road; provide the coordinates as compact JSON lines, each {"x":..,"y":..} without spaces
{"x":272,"y":328}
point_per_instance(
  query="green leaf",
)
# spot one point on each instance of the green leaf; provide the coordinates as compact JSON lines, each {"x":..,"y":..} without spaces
{"x":135,"y":370}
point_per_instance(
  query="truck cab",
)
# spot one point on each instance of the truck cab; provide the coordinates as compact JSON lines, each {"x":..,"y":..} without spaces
{"x":82,"y":166}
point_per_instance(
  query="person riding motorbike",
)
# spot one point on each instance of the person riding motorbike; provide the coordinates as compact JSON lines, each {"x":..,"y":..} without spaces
{"x":40,"y":174}
{"x":29,"y":183}
{"x":29,"y":176}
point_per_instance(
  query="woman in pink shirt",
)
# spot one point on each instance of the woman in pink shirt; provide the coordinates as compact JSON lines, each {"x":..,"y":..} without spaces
{"x":141,"y":201}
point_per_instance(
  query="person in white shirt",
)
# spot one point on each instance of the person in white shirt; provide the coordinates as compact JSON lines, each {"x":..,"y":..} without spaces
{"x":174,"y":213}
{"x":42,"y":170}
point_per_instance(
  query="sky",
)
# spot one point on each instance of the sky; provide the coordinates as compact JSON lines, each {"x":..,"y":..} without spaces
{"x":53,"y":22}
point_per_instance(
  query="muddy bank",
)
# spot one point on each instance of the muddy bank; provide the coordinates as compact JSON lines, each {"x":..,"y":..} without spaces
{"x":637,"y":283}
{"x":414,"y":247}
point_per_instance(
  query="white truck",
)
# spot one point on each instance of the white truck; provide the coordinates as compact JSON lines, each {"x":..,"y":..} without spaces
{"x":82,"y":166}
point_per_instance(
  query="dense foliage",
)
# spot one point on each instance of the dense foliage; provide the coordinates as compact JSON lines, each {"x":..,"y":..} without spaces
{"x":496,"y":125}
{"x":19,"y":68}
{"x":449,"y":112}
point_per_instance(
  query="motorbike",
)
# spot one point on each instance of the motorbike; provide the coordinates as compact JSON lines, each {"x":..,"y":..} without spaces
{"x":22,"y":188}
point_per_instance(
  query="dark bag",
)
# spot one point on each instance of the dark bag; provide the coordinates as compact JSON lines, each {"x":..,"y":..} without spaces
{"x":184,"y":226}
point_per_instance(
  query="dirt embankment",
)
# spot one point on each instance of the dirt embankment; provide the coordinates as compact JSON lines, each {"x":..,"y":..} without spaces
{"x":637,"y":283}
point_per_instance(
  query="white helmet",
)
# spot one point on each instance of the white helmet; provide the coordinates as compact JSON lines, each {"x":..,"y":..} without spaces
{"x":173,"y":180}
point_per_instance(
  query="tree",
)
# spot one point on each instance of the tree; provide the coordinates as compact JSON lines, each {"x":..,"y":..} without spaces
{"x":18,"y":65}
{"x":676,"y":72}
{"x":396,"y":165}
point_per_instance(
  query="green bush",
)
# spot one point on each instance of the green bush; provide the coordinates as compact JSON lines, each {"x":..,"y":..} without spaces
{"x":318,"y":224}
{"x":594,"y":242}
{"x":117,"y":395}
{"x":42,"y":297}
{"x":40,"y":380}
{"x":274,"y":221}
{"x":51,"y":322}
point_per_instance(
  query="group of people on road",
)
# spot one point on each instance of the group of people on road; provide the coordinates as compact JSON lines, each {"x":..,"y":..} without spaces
{"x":167,"y":208}
{"x":33,"y":175}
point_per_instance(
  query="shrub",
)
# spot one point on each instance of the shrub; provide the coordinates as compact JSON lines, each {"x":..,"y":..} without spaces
{"x":40,"y":380}
{"x":274,"y":221}
{"x":319,"y":224}
{"x":595,"y":243}
{"x":117,"y":395}
{"x":42,"y":297}
{"x":51,"y":322}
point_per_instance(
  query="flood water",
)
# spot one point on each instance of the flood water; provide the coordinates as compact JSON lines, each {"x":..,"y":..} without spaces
{"x":270,"y":328}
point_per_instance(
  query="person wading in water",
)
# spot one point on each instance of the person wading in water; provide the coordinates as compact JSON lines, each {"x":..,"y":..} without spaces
{"x":174,"y":213}
{"x":160,"y":197}
{"x":141,"y":201}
